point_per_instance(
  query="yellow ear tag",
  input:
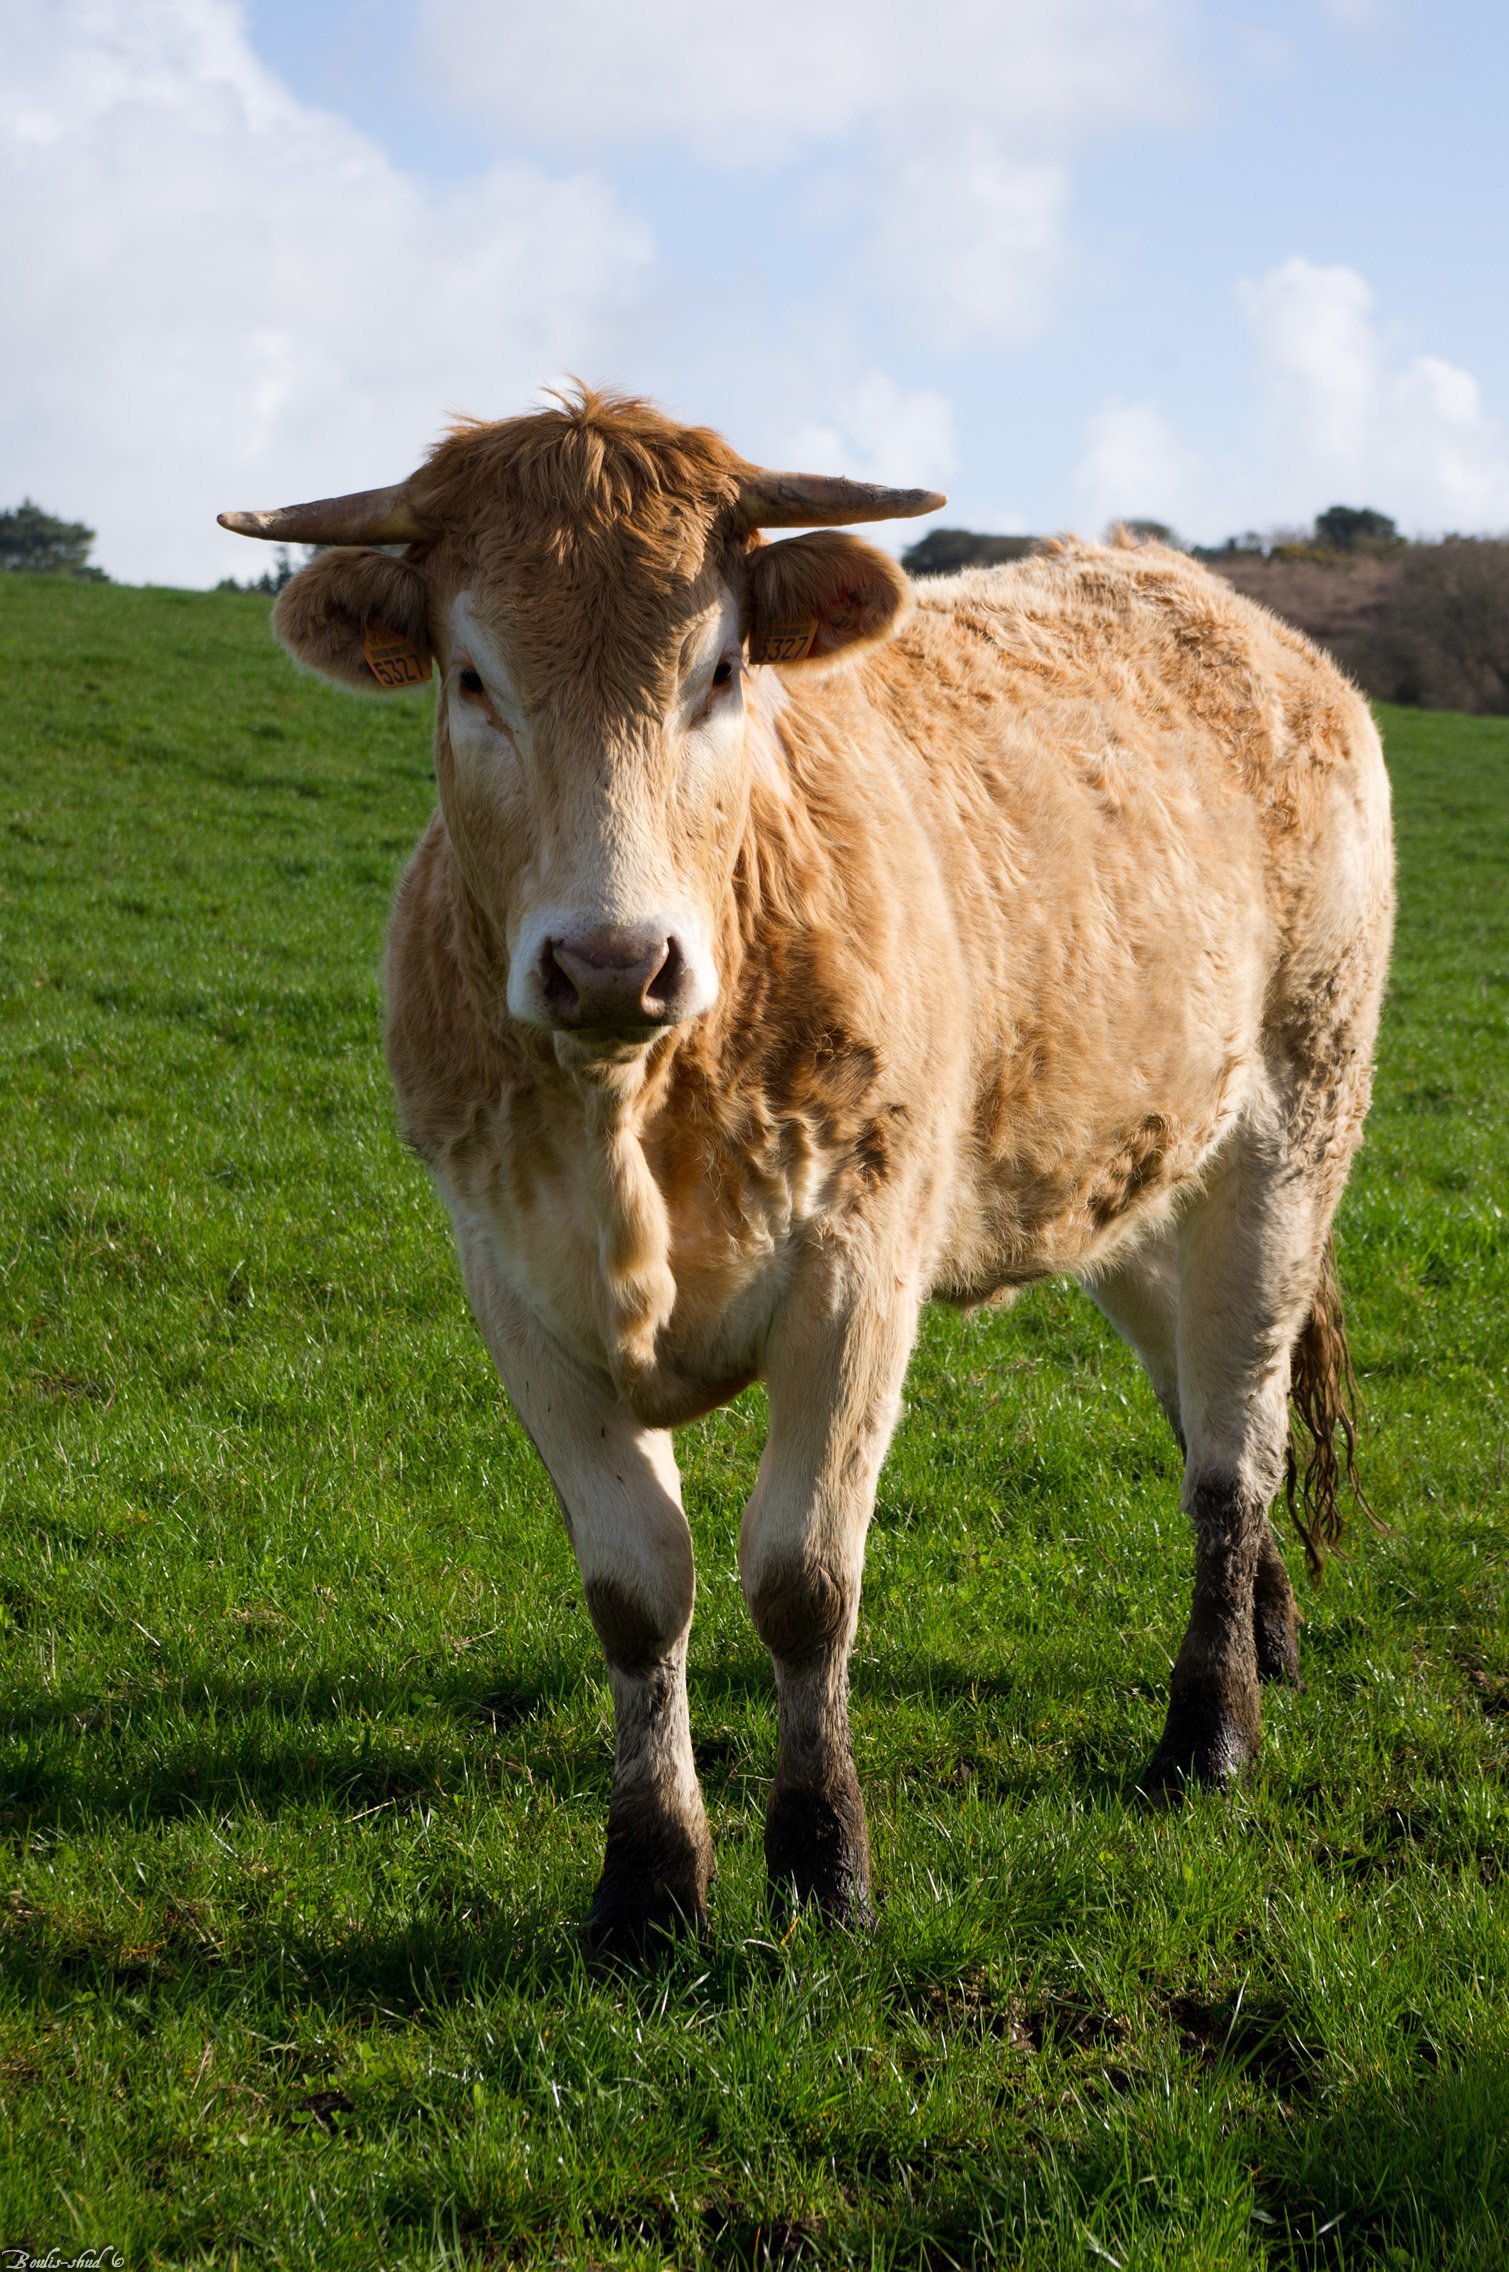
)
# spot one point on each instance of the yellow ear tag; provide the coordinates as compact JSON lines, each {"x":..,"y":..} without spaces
{"x":783,"y":643}
{"x":392,"y":659}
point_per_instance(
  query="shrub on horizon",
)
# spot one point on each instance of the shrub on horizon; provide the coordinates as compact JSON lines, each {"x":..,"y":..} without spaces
{"x":38,"y":543}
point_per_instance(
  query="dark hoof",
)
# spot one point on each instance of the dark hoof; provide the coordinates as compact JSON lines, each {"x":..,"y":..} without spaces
{"x":817,"y":1851}
{"x":652,"y":1894}
{"x":1275,"y":1633}
{"x":1278,"y":1656}
{"x":1204,"y":1741}
{"x":1275,"y":1619}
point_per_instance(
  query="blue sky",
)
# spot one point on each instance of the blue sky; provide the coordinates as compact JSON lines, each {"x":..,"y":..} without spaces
{"x":1224,"y":265}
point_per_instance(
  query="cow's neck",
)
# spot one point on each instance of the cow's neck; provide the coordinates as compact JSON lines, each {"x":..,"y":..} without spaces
{"x":607,"y":1106}
{"x":618,"y":1102}
{"x":637,"y":1291}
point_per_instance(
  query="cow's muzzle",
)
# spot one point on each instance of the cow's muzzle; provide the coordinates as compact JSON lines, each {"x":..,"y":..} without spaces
{"x":622,"y":982}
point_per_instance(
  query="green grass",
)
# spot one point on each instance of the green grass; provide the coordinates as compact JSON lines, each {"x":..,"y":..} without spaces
{"x":307,"y":1741}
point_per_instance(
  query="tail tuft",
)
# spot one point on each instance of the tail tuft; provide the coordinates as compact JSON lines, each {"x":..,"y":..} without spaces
{"x":1325,"y":1408}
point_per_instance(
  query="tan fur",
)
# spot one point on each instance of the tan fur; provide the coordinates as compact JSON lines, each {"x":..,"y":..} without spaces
{"x":1049,"y":936}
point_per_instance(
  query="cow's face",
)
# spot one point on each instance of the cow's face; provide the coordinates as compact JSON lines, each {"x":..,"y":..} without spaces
{"x":595,"y":789}
{"x":598,"y":627}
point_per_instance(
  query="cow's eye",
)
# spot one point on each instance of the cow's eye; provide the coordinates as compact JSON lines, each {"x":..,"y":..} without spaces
{"x":723,"y":673}
{"x":471,"y":682}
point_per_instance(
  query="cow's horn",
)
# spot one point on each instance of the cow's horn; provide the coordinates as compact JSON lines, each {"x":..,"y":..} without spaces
{"x":367,"y":516}
{"x":822,"y":500}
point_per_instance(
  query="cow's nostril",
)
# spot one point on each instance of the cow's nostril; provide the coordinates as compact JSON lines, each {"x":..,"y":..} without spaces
{"x":665,"y":981}
{"x":561,"y":997}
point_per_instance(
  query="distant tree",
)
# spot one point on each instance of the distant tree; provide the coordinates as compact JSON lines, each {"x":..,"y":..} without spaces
{"x":1250,"y":545}
{"x":942,"y":552}
{"x":272,"y":579}
{"x":1420,"y":623}
{"x":1444,"y":641}
{"x":40,"y":544}
{"x":1355,"y":528}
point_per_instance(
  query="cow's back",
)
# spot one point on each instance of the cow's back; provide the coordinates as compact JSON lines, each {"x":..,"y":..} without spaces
{"x":1153,"y":814}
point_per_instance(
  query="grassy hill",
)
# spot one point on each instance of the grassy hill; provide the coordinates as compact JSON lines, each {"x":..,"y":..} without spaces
{"x":306,"y":1734}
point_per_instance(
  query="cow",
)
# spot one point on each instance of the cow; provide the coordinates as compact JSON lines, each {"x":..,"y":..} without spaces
{"x":791,"y":947}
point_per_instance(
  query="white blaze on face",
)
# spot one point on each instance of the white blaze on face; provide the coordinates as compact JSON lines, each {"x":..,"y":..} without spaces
{"x":591,"y":865}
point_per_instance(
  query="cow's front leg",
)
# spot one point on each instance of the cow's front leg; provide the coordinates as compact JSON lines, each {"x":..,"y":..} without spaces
{"x":834,"y":1371}
{"x":620,"y":1493}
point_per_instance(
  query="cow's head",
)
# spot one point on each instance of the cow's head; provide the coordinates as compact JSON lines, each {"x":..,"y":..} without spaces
{"x":592,"y":583}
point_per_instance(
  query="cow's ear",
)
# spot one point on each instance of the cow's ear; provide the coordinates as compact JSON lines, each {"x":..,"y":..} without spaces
{"x":814,"y":598}
{"x":357,"y":617}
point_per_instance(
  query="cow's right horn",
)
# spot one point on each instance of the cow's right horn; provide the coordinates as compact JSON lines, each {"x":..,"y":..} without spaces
{"x":825,"y":500}
{"x":367,"y":516}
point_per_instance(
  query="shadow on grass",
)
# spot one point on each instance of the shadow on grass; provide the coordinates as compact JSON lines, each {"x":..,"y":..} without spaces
{"x":453,"y":1944}
{"x":355,"y":1741}
{"x":419,"y":1966}
{"x":351,"y":1743}
{"x":1413,"y":2176}
{"x":1420,"y":2175}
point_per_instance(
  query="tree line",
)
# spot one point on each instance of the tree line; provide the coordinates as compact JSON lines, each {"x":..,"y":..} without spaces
{"x":37,"y":543}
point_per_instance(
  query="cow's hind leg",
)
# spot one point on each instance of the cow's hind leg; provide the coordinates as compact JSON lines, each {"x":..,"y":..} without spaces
{"x":620,"y":1494}
{"x":1250,"y":1249}
{"x":1139,"y":1294}
{"x":834,"y":1376}
{"x":1275,"y":1614}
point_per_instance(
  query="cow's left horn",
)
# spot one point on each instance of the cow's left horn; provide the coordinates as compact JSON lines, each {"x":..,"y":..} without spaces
{"x":822,"y":500}
{"x":367,"y":516}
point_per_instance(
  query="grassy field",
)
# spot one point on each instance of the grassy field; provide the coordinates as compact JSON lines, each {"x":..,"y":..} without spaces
{"x":306,"y":1737}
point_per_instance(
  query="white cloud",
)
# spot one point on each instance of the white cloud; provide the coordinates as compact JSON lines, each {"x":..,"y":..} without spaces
{"x":882,"y":432}
{"x":1135,"y":467}
{"x":223,"y":297}
{"x":975,"y":238}
{"x":1340,"y":415}
{"x":231,"y":299}
{"x":955,"y":121}
{"x":740,"y":87}
{"x":1347,"y":418}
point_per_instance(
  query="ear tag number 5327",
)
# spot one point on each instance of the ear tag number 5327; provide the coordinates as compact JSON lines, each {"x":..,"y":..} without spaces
{"x":393,"y":660}
{"x":783,"y":643}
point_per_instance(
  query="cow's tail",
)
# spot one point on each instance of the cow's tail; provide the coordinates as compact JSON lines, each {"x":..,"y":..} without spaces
{"x":1325,"y":1406}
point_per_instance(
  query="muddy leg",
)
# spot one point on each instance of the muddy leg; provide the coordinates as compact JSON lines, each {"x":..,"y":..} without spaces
{"x":1249,"y":1251}
{"x":1275,"y":1614}
{"x":621,"y":1497}
{"x":834,"y":1381}
{"x":817,"y":1842}
{"x":1214,"y":1720}
{"x":658,"y":1861}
